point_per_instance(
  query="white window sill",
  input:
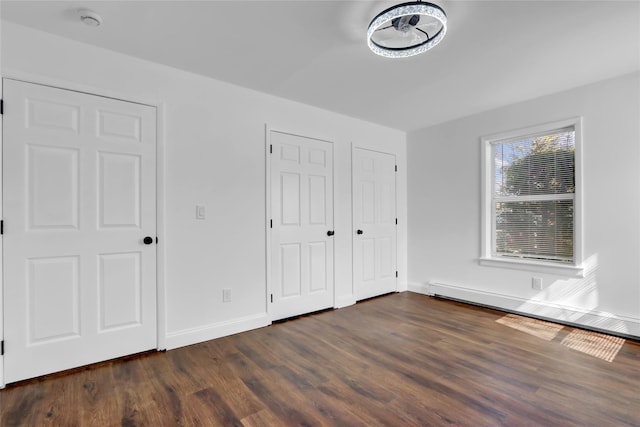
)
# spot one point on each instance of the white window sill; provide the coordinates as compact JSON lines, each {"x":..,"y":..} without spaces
{"x":534,"y":266}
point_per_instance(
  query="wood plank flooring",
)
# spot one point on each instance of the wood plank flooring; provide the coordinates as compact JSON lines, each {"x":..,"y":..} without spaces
{"x":399,"y":360}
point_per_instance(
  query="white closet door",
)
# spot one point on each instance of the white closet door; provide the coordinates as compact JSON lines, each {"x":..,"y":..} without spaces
{"x":302,"y":225}
{"x":374,"y":238}
{"x":79,"y":199}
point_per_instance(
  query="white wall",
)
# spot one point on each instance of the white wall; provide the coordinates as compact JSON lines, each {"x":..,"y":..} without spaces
{"x":444,"y":194}
{"x":214,"y":154}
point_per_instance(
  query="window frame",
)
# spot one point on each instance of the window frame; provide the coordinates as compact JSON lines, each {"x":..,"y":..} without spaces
{"x":487,"y":257}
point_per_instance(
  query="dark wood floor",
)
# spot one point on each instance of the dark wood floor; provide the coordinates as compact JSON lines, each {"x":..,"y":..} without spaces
{"x":403,"y":359}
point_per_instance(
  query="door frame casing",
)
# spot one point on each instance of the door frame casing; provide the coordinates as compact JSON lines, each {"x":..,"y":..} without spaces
{"x":268,"y":209}
{"x":355,"y":147}
{"x":160,"y":107}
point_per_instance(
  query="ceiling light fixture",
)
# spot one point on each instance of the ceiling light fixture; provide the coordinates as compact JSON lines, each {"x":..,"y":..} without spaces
{"x":407,"y":29}
{"x":90,"y":18}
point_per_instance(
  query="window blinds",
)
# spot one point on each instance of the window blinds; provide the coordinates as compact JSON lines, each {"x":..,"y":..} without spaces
{"x":533,"y":196}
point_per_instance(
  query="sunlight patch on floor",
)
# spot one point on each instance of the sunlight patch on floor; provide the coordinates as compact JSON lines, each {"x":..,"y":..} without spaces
{"x":604,"y":347}
{"x":538,"y":328}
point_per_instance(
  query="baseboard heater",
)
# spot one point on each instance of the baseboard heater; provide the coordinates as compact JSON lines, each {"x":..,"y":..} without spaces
{"x":615,"y":325}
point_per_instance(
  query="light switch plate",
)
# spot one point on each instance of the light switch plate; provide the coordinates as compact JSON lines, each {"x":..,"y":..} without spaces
{"x":201,"y":212}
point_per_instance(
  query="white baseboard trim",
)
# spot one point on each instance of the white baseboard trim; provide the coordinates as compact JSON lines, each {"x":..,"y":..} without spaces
{"x":344,"y":301}
{"x":419,"y":288}
{"x":402,"y":286}
{"x":596,"y":320}
{"x":216,"y":330}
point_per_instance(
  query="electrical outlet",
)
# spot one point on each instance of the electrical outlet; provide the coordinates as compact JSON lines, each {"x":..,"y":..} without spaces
{"x":536,"y":283}
{"x":226,"y":295}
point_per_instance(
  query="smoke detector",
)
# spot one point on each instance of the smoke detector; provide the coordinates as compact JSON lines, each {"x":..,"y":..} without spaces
{"x":90,"y":18}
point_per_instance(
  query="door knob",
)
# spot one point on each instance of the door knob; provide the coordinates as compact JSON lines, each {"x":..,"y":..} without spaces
{"x":330,"y":233}
{"x":359,"y":232}
{"x":147,"y":240}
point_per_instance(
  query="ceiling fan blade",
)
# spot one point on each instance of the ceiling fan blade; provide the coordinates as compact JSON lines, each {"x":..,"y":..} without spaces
{"x":385,"y":40}
{"x":428,"y":24}
{"x":423,"y":32}
{"x":401,"y":40}
{"x":384,"y":28}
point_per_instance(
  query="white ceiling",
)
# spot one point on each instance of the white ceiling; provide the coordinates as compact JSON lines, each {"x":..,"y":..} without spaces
{"x":495,"y":52}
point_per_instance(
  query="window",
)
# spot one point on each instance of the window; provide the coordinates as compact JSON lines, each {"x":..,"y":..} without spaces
{"x":531,"y":184}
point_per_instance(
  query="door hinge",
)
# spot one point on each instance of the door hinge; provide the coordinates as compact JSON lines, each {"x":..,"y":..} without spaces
{"x":271,"y":297}
{"x":270,"y":223}
{"x":396,"y":168}
{"x":396,"y":221}
{"x":270,"y":148}
{"x":396,"y":274}
{"x":1,"y":106}
{"x":1,"y":226}
{"x":2,"y":348}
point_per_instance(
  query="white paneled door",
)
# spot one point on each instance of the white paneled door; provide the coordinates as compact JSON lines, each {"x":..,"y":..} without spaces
{"x":301,"y":225}
{"x":375,"y":224}
{"x":79,"y":201}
